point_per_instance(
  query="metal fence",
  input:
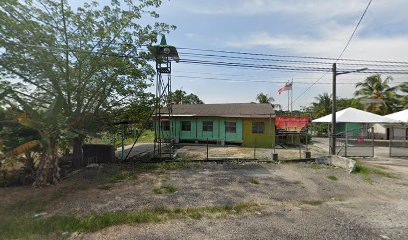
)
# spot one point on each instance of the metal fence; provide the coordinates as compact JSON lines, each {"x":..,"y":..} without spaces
{"x":287,"y":146}
{"x":356,"y":143}
{"x":398,"y":141}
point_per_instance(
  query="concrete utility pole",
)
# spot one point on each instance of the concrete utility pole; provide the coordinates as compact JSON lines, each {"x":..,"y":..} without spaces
{"x":334,"y":108}
{"x":333,"y":123}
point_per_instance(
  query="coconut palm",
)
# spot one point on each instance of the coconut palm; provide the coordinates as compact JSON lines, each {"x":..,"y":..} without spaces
{"x":264,"y":98}
{"x":323,"y":106}
{"x":404,"y":98}
{"x":373,"y":87}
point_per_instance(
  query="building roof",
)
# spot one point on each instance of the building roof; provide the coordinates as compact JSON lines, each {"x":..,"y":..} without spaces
{"x":352,"y":115}
{"x":241,"y":110}
{"x":400,"y":116}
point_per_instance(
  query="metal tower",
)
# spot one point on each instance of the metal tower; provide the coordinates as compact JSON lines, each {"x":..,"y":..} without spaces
{"x":163,"y":126}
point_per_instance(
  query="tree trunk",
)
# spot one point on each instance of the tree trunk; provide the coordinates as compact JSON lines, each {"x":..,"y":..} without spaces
{"x":48,"y":171}
{"x":77,"y":160}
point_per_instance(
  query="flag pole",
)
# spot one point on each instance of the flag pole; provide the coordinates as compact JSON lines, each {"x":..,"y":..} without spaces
{"x":288,"y":99}
{"x":291,"y":97}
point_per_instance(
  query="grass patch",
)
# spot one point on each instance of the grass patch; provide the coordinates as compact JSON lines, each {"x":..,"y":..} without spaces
{"x":123,"y":176}
{"x":334,"y":178}
{"x":312,"y":202}
{"x":52,"y":227}
{"x":254,"y":181}
{"x":366,"y":171}
{"x":165,"y":189}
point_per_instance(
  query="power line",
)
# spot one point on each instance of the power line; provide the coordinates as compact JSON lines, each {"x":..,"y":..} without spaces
{"x":286,"y":67}
{"x":354,"y":31}
{"x":341,"y":54}
{"x":257,"y":81}
{"x":286,"y":61}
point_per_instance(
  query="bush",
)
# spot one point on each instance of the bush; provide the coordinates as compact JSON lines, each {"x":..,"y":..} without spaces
{"x":307,"y":137}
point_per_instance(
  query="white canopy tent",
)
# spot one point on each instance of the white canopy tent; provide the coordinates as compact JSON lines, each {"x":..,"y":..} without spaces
{"x":352,"y":115}
{"x":401,"y":116}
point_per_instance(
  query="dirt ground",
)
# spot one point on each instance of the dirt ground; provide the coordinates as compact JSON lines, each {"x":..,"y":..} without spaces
{"x":297,"y":201}
{"x":199,"y":152}
{"x":294,"y":200}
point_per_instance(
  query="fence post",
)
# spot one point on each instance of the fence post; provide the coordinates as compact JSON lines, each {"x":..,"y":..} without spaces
{"x":372,"y":141}
{"x":255,"y":149}
{"x":300,"y":149}
{"x":390,"y":139}
{"x":345,"y":146}
{"x":207,"y":149}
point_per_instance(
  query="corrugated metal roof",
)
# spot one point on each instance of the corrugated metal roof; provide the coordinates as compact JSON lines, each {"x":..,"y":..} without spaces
{"x":239,"y":110}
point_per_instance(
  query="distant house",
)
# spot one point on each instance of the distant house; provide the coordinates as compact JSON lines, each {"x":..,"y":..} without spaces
{"x":246,"y":124}
{"x":400,"y":130}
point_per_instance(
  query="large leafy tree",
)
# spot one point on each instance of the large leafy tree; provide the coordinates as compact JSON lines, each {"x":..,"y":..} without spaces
{"x":374,"y":87}
{"x":181,"y":97}
{"x":82,"y":63}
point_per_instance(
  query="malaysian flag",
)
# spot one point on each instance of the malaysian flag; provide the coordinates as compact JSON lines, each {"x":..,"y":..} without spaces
{"x":287,"y":87}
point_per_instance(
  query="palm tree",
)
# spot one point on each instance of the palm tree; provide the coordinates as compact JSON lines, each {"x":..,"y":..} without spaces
{"x":404,"y":98}
{"x":373,"y":87}
{"x":323,"y":106}
{"x":264,"y":98}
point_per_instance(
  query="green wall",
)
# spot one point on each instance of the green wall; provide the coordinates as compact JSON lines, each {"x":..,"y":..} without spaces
{"x":243,"y":133}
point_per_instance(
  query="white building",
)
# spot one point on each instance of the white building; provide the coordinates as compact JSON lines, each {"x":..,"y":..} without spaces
{"x":399,"y":131}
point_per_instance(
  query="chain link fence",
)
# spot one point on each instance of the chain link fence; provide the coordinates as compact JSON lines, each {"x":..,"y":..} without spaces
{"x":287,"y":146}
{"x":398,"y":141}
{"x":355,"y":143}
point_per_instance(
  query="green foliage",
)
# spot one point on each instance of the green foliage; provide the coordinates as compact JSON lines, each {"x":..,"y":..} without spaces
{"x":334,"y":178}
{"x":165,"y":189}
{"x":403,"y":87}
{"x":323,"y":106}
{"x":181,"y":97}
{"x":364,"y":170}
{"x":254,"y":181}
{"x":74,"y":69}
{"x":344,"y":103}
{"x":264,"y":98}
{"x":123,"y":176}
{"x":23,"y":226}
{"x":374,"y":87}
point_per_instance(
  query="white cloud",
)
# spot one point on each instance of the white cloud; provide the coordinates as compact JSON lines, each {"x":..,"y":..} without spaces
{"x":329,"y":43}
{"x":254,"y":7}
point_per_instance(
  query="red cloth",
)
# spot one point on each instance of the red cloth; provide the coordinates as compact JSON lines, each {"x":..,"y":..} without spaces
{"x":287,"y":87}
{"x":292,"y":124}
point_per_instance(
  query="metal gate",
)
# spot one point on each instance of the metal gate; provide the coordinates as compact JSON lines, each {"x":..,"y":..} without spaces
{"x":356,"y":143}
{"x":399,"y":141}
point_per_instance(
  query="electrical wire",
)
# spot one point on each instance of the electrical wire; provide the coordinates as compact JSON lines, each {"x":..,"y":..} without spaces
{"x":341,"y":54}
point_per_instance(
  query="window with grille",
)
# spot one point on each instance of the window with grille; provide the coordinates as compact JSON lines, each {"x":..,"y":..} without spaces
{"x":258,"y":127}
{"x":186,"y":126}
{"x":165,"y":125}
{"x":207,"y":126}
{"x":230,"y":127}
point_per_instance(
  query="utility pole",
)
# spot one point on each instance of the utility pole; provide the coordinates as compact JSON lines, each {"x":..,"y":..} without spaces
{"x":333,"y":123}
{"x":334,"y":108}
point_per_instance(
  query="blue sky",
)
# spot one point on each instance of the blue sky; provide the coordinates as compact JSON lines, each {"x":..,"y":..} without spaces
{"x":288,"y":27}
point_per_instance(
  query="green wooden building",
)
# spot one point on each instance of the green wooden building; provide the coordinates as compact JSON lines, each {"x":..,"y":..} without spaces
{"x":246,"y":124}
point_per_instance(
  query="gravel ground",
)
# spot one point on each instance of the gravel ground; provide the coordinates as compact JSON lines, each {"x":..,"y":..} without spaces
{"x":199,"y":152}
{"x":349,"y":208}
